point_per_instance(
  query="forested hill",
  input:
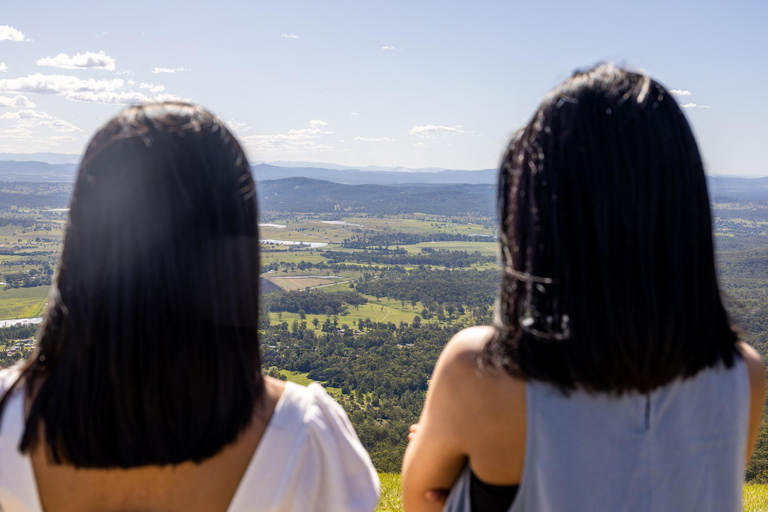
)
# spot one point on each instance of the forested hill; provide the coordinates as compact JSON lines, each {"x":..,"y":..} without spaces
{"x":360,"y":177}
{"x":302,"y":195}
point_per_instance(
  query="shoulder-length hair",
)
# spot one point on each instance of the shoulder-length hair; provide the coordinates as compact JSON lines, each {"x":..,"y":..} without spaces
{"x":148,"y":352}
{"x":608,"y":267}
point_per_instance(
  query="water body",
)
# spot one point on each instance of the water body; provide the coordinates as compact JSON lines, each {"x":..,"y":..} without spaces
{"x":341,"y":223}
{"x":312,"y":245}
{"x":305,"y":277}
{"x":278,"y":226}
{"x":20,"y":321}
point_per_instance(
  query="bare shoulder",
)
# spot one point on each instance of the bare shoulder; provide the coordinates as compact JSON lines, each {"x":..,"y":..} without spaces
{"x":488,"y":407}
{"x":755,"y":366}
{"x":474,"y":389}
{"x":465,"y":346}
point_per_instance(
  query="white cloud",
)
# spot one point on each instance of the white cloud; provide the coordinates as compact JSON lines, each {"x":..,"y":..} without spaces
{"x":679,"y":92}
{"x":354,"y":114}
{"x":58,"y":125}
{"x":153,"y":88}
{"x":125,"y":73}
{"x":420,"y":145}
{"x":58,"y":84}
{"x":98,"y":35}
{"x":376,"y":139}
{"x":17,"y":101}
{"x":289,"y":36}
{"x":296,"y":140}
{"x":3,"y":67}
{"x":25,"y":114}
{"x":693,"y":105}
{"x":10,"y":34}
{"x":28,"y":120}
{"x":431,"y":129}
{"x":63,"y":137}
{"x":120,"y":97}
{"x":390,"y":48}
{"x":77,"y":89}
{"x":236,"y":125}
{"x":169,"y":70}
{"x":85,"y":60}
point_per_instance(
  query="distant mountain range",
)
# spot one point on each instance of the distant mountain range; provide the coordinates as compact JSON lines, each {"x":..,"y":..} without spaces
{"x":15,"y":168}
{"x":264,"y":172}
{"x":304,"y":195}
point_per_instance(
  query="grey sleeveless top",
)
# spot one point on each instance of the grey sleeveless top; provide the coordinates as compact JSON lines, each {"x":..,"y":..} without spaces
{"x":681,"y":448}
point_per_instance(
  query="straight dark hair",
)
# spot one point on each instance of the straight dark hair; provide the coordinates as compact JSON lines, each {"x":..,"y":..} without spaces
{"x":148,"y":353}
{"x":608,"y":266}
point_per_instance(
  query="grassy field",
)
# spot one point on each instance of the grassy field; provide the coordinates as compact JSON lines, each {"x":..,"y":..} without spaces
{"x":381,"y":310}
{"x":755,"y":495}
{"x":485,"y":248}
{"x":23,"y":302}
{"x":290,"y":284}
{"x":295,"y":256}
{"x":755,"y":498}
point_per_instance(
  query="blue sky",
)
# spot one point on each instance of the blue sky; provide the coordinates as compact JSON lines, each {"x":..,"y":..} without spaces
{"x":389,"y":83}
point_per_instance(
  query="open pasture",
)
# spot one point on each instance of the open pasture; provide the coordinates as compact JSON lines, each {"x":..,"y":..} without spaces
{"x":295,"y":256}
{"x":23,"y":302}
{"x":484,"y":248}
{"x":300,"y":283}
{"x":381,"y":310}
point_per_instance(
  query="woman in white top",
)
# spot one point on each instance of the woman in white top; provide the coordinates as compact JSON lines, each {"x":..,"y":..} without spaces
{"x":144,"y":391}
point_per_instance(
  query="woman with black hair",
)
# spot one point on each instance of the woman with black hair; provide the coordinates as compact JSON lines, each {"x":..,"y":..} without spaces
{"x":144,"y":391}
{"x":613,"y":379}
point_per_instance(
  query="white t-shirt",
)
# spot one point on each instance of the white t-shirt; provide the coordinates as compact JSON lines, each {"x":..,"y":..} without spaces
{"x":309,"y":459}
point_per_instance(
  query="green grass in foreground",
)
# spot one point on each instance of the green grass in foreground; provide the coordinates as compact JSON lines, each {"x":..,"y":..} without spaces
{"x":391,"y":496}
{"x":755,"y":498}
{"x":755,"y":495}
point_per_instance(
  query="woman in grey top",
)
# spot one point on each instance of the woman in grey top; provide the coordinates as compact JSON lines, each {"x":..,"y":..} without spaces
{"x":613,"y":379}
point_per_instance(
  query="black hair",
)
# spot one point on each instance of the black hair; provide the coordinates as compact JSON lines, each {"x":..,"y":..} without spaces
{"x":148,"y":353}
{"x":608,"y":266}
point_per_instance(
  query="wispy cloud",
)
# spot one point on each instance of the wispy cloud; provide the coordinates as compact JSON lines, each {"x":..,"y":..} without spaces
{"x":99,"y":35}
{"x":25,"y":114}
{"x":120,"y":97}
{"x":375,"y":139}
{"x":85,"y":60}
{"x":3,"y":67}
{"x":432,"y":129}
{"x":153,"y":88}
{"x":10,"y":34}
{"x":169,"y":70}
{"x":390,"y":48}
{"x":420,"y":145}
{"x":296,"y":140}
{"x":58,"y":84}
{"x":680,"y":92}
{"x":289,"y":36}
{"x":354,"y":114}
{"x":90,"y":90}
{"x":694,"y":105}
{"x":28,"y":119}
{"x":125,"y":73}
{"x":17,"y":102}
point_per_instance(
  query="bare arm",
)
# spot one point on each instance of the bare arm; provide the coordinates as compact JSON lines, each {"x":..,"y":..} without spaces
{"x":437,"y":454}
{"x":756,"y":371}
